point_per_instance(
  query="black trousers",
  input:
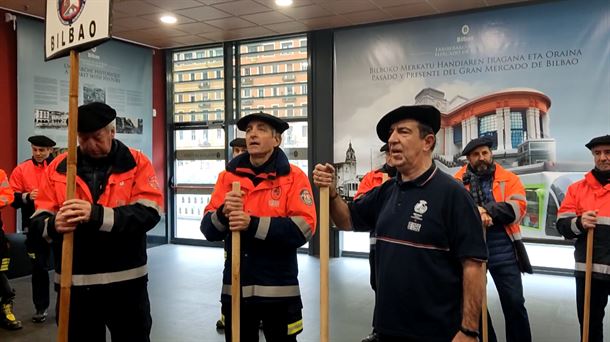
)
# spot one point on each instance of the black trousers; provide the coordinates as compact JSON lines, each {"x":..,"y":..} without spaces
{"x":600,"y":290}
{"x":6,"y":291}
{"x":122,"y":307}
{"x":509,"y":285}
{"x":39,"y":252}
{"x":373,"y":280}
{"x":282,"y":322}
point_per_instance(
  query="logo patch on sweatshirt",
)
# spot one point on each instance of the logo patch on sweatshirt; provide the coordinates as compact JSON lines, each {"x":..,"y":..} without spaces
{"x":306,"y":197}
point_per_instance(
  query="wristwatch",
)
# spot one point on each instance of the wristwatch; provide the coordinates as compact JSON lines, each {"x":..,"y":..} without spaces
{"x":468,"y":332}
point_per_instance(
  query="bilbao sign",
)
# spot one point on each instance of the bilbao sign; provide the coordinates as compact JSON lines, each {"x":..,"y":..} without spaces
{"x":75,"y":25}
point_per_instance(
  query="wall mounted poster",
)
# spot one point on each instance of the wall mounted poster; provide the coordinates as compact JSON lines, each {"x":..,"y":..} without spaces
{"x":536,"y":78}
{"x":114,"y":72}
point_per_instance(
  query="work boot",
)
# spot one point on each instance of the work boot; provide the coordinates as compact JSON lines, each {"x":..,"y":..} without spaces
{"x":372,"y":337}
{"x":7,"y":319}
{"x":40,"y":316}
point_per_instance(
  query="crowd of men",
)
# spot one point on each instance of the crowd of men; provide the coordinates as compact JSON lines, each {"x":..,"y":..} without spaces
{"x":434,"y":236}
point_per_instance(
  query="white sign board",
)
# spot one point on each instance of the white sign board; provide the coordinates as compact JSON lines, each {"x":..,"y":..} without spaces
{"x":75,"y":25}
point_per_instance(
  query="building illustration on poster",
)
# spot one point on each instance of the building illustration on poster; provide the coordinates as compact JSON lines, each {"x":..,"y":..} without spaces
{"x":114,"y":73}
{"x":540,"y":90}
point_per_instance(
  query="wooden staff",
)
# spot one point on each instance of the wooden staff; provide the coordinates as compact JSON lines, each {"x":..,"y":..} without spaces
{"x":588,"y":271}
{"x":324,"y":251}
{"x":235,"y":277}
{"x":68,"y":238}
{"x":484,"y":325}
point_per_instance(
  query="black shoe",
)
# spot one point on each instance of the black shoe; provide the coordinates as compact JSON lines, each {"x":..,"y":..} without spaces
{"x":40,"y":316}
{"x":8,"y":320}
{"x":371,"y":338}
{"x":220,"y":324}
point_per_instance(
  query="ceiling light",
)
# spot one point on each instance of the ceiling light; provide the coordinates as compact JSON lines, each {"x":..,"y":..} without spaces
{"x":169,"y":19}
{"x":283,"y":2}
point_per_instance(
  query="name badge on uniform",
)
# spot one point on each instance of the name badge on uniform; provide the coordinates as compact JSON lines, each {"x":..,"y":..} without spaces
{"x":276,"y":194}
{"x":415,"y":223}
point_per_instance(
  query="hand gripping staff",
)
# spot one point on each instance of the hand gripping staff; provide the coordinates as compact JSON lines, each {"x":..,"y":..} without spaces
{"x":324,"y":254}
{"x":588,"y":271}
{"x":235,"y":277}
{"x":68,"y":238}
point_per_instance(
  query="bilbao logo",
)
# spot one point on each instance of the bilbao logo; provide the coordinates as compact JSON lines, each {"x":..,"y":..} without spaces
{"x":69,"y":10}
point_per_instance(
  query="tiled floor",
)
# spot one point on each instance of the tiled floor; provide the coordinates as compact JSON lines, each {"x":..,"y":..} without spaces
{"x":185,"y":285}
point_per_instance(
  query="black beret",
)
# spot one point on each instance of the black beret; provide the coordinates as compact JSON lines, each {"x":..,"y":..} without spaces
{"x":278,"y":124}
{"x":481,"y":141}
{"x":238,"y":142}
{"x":603,"y":140}
{"x":425,"y":114}
{"x":41,"y":141}
{"x":384,"y":148}
{"x":94,"y":116}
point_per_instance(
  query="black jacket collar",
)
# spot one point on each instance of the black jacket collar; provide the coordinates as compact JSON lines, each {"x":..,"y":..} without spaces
{"x":276,"y":166}
{"x":120,"y":159}
{"x":44,"y":162}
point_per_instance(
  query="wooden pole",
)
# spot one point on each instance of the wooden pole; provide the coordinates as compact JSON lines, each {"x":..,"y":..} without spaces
{"x":484,"y":325}
{"x":235,"y":278}
{"x":68,"y":238}
{"x":588,"y":272}
{"x":324,"y":255}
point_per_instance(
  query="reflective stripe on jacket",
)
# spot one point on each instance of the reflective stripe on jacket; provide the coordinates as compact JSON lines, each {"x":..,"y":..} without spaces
{"x":585,"y":195}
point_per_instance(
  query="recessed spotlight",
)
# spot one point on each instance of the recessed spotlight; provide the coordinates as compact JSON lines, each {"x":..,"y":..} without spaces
{"x":283,"y":3}
{"x":169,"y":19}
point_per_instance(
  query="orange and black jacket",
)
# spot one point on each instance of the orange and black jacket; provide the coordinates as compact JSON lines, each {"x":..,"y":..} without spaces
{"x":510,"y":202}
{"x":279,"y":200}
{"x":6,"y":198}
{"x":585,"y":195}
{"x":126,"y":203}
{"x":25,"y":178}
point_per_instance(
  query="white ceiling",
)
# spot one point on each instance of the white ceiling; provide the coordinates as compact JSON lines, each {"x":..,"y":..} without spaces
{"x":209,"y":21}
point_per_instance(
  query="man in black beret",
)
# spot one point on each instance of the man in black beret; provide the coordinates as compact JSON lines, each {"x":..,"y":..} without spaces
{"x":238,"y":146}
{"x":117,"y":200}
{"x":500,"y":198}
{"x":371,"y":180}
{"x":275,"y":215}
{"x":430,"y":250}
{"x":584,"y":210}
{"x":25,"y":181}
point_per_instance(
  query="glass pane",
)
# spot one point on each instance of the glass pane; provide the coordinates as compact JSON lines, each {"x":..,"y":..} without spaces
{"x":198,"y":171}
{"x":356,"y":241}
{"x":189,"y":211}
{"x":199,"y":155}
{"x":198,"y":85}
{"x":294,"y":144}
{"x":211,"y":139}
{"x":274,"y":77}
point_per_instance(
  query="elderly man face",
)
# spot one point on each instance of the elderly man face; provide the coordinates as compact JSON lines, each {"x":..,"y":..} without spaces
{"x":237,"y":150}
{"x":40,"y":153}
{"x":601,"y":157}
{"x":97,"y":144}
{"x":261,"y":139}
{"x":480,"y":158}
{"x":407,"y":145}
